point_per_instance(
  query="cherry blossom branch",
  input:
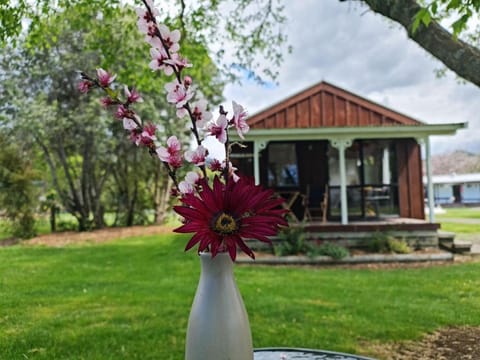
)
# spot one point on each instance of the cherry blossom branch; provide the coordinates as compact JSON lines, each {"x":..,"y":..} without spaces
{"x":180,"y":92}
{"x":177,"y":66}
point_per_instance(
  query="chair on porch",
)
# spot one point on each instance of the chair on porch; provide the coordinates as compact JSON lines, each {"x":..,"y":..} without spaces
{"x":315,"y":202}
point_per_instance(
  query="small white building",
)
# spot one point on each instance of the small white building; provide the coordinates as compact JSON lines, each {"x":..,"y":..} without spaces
{"x":456,"y":188}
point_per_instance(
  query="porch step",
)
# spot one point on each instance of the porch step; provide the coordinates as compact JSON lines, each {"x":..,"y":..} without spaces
{"x":447,"y":242}
{"x":458,"y":247}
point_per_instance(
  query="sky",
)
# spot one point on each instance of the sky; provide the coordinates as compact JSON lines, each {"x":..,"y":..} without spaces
{"x":346,"y":44}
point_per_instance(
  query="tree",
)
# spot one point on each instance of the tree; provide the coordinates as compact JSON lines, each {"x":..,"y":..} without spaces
{"x":423,"y":27}
{"x":91,"y":163}
{"x":253,"y":28}
{"x":16,"y":188}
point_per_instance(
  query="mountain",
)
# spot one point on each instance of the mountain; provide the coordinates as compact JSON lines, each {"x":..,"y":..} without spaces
{"x":459,"y":162}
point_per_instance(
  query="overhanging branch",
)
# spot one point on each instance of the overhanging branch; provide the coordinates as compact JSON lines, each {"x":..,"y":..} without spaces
{"x":459,"y":56}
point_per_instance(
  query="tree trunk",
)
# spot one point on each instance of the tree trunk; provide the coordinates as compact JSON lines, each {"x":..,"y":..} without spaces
{"x":53,"y":217}
{"x":162,"y":199}
{"x":131,"y":205}
{"x":457,"y":55}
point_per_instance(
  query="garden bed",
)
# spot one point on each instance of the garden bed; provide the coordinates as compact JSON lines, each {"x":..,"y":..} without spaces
{"x":357,"y":258}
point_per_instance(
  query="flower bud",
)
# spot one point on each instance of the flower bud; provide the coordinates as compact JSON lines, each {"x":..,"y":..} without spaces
{"x":187,"y":81}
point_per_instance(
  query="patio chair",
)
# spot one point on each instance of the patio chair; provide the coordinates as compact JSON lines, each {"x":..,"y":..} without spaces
{"x":315,"y":202}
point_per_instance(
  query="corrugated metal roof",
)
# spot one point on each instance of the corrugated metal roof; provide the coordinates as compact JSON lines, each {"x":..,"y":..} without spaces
{"x":454,"y":178}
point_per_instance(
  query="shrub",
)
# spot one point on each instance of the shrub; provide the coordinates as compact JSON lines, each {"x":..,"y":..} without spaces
{"x":399,"y":246}
{"x":330,"y":249}
{"x":384,"y":243}
{"x":291,"y":242}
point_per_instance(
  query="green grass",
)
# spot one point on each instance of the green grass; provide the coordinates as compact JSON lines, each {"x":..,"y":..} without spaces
{"x":460,"y":220}
{"x":460,"y":213}
{"x":460,"y":228}
{"x":130,"y":300}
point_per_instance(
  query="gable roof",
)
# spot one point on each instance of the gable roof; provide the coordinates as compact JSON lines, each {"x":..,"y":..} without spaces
{"x":326,"y":105}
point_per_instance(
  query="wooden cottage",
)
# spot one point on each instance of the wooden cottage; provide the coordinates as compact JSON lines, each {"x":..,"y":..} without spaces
{"x":342,"y":162}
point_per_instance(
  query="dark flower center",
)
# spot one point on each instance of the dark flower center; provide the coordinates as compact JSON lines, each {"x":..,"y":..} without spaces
{"x":224,"y":224}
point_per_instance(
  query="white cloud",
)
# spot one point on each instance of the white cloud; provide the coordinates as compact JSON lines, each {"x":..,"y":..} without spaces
{"x":351,"y":47}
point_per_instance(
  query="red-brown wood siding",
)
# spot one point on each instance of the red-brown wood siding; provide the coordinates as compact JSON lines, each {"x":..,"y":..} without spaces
{"x":410,"y":185}
{"x":316,"y":111}
{"x":327,"y":105}
{"x":303,"y":113}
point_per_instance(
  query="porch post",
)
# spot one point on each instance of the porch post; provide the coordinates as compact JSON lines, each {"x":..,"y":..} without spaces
{"x":341,"y":145}
{"x":428,"y":163}
{"x":258,"y":145}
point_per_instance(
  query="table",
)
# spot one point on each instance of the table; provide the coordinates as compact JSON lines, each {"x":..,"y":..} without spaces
{"x":299,"y":354}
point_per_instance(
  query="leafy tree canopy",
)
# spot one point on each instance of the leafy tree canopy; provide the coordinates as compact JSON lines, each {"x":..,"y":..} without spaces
{"x":459,"y":12}
{"x":247,"y":34}
{"x":91,"y":163}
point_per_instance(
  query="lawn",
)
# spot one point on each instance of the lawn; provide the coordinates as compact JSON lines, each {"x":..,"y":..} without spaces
{"x":460,"y":228}
{"x":130,"y":299}
{"x":460,"y":213}
{"x":460,"y":220}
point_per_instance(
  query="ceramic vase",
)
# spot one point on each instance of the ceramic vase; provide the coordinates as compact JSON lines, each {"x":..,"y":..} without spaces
{"x":218,"y":327}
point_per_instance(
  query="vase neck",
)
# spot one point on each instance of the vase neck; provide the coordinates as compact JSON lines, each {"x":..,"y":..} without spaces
{"x":220,"y":264}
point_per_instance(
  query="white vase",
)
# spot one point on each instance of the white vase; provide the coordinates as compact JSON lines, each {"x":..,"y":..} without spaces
{"x":218,"y":327}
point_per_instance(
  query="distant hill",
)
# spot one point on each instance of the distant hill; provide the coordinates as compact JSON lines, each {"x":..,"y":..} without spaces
{"x":459,"y":162}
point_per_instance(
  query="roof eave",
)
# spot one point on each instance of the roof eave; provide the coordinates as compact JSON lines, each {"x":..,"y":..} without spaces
{"x":351,"y":132}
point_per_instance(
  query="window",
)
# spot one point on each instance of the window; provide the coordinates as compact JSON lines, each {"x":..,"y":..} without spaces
{"x":282,"y":165}
{"x":371,"y":179}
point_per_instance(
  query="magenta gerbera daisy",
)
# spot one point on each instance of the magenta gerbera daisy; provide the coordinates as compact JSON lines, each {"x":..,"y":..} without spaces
{"x":223,"y":216}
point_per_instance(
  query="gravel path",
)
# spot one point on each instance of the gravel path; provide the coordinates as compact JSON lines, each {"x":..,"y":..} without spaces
{"x":455,"y":343}
{"x":97,"y":236}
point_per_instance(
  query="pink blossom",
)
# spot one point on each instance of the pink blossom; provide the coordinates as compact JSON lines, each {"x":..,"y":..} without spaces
{"x":122,"y":112}
{"x":158,"y":63}
{"x":172,"y":154}
{"x":84,"y":86}
{"x":192,"y":177}
{"x":177,"y":94}
{"x":187,"y":81}
{"x":106,"y":101}
{"x":215,"y":165}
{"x":239,"y":116}
{"x":178,"y":62}
{"x":144,"y":15}
{"x":200,"y":113}
{"x":170,"y":38}
{"x":145,"y":21}
{"x":145,"y":137}
{"x":133,"y":96}
{"x":187,"y":186}
{"x":196,"y":157}
{"x":218,"y":128}
{"x":129,"y":124}
{"x":104,"y":77}
{"x":231,"y":171}
{"x":135,"y":136}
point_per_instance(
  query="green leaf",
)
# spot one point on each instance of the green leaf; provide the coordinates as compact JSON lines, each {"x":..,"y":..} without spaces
{"x":426,"y":18}
{"x":418,"y":19}
{"x":460,"y":25}
{"x":454,"y":4}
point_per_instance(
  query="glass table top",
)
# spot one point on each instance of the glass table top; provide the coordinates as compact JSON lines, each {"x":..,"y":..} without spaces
{"x":302,"y":354}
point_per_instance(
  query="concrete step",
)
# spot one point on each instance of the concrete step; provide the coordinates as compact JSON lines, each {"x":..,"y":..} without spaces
{"x":457,"y":247}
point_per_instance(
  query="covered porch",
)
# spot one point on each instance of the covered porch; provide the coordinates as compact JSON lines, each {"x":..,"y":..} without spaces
{"x":345,"y":175}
